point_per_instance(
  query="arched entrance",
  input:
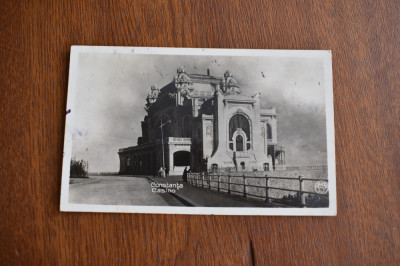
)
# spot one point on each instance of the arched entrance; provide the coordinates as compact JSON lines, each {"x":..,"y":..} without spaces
{"x":181,"y":160}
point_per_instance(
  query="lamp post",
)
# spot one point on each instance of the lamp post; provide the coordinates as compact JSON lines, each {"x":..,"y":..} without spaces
{"x":162,"y":146}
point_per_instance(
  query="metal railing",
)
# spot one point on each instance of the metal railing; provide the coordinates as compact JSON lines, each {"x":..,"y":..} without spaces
{"x":307,"y":167}
{"x":231,"y":184}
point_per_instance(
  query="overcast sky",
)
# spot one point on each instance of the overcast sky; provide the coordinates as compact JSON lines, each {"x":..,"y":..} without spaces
{"x":112,"y":88}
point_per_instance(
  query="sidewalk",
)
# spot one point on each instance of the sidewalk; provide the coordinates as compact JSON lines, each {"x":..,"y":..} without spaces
{"x":201,"y":197}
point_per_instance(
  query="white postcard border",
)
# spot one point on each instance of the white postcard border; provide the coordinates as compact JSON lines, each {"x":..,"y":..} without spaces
{"x":73,"y":79}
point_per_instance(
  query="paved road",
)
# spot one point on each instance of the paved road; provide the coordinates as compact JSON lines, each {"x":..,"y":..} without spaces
{"x":118,"y":190}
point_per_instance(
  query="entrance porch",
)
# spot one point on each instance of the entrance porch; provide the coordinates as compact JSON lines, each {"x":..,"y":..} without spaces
{"x":179,"y":155}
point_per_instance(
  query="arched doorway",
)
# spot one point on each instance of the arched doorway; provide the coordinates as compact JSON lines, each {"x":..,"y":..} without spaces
{"x":180,"y":161}
{"x":181,"y":158}
{"x":239,"y":143}
{"x":239,"y":133}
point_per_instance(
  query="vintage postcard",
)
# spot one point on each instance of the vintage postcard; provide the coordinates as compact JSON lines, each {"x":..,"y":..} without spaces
{"x":199,"y":131}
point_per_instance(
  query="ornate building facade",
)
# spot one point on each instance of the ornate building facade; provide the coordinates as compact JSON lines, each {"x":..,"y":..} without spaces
{"x":204,"y":123}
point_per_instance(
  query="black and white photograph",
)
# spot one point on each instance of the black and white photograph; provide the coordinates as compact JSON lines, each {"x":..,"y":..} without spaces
{"x":199,"y":131}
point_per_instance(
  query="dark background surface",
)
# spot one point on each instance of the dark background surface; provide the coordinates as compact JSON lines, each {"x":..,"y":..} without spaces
{"x":35,"y":40}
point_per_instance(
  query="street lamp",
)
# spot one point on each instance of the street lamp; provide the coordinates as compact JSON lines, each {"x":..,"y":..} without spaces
{"x":162,"y":145}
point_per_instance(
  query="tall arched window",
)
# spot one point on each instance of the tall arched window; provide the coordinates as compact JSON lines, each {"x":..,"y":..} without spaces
{"x":239,"y":121}
{"x":269,"y":131}
{"x":239,"y":133}
{"x":186,"y":127}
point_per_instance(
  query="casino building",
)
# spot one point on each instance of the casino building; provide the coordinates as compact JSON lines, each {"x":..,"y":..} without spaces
{"x":204,"y":123}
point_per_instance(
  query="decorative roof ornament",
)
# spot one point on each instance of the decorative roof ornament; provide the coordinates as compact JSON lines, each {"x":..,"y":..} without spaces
{"x":229,"y":84}
{"x":152,"y":97}
{"x":182,"y":82}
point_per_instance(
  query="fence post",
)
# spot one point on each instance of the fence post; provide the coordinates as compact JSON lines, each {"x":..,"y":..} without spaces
{"x":302,"y":194}
{"x":244,"y":186}
{"x":218,"y":181}
{"x":267,"y":199}
{"x":209,"y":180}
{"x":202,"y":179}
{"x":198,"y":179}
{"x":229,"y":184}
